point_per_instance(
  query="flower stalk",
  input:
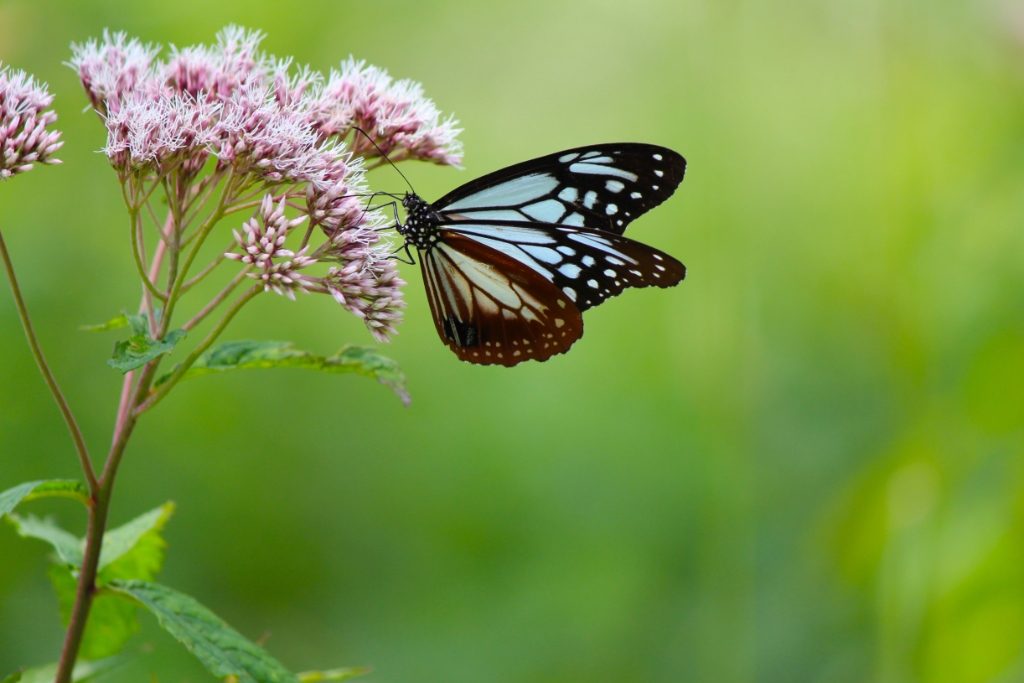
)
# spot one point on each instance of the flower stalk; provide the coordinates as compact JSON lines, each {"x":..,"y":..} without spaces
{"x":211,"y":132}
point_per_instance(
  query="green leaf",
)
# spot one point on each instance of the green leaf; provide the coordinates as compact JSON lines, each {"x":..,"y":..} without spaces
{"x":132,"y":551}
{"x":83,"y":671}
{"x":49,"y":488}
{"x":221,"y":649}
{"x":122,"y":540}
{"x":140,"y":348}
{"x":115,"y":323}
{"x":243,"y":355}
{"x":113,"y":619}
{"x":345,"y":674}
{"x":67,"y":545}
{"x":12,"y":678}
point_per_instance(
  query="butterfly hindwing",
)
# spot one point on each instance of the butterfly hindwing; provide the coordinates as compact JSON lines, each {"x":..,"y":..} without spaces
{"x":490,"y":308}
{"x":588,"y":266}
{"x":599,"y":187}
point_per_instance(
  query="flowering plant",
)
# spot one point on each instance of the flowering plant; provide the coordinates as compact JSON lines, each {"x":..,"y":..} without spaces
{"x":206,"y":138}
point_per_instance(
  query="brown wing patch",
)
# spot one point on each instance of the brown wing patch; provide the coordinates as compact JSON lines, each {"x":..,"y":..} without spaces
{"x":490,"y":308}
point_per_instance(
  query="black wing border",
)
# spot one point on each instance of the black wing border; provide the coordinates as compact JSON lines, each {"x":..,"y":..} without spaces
{"x":675,"y":163}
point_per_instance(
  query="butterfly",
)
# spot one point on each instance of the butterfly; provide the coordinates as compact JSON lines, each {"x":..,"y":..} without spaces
{"x":512,"y":259}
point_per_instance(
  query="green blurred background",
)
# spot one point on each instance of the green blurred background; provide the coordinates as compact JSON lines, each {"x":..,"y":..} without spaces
{"x":803,"y":464}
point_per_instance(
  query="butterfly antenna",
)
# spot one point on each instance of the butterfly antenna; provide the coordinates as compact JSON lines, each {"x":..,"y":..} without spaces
{"x":385,"y":156}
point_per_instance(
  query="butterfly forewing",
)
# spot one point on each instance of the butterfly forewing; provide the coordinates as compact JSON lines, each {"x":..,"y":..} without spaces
{"x":600,"y":187}
{"x":588,"y":266}
{"x":490,"y":308}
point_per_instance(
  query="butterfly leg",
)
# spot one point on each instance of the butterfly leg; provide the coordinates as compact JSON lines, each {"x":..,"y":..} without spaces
{"x":408,"y":255}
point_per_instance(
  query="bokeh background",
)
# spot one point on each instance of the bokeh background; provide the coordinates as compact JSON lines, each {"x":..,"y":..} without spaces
{"x":803,"y":464}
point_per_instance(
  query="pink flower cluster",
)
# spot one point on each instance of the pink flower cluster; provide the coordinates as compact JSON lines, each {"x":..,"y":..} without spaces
{"x":403,"y":123}
{"x":25,"y":135}
{"x":246,"y":107}
{"x":262,"y":246}
{"x":283,"y":131}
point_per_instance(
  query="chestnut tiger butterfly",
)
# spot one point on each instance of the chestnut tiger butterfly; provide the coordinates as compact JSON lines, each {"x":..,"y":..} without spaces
{"x":512,"y":259}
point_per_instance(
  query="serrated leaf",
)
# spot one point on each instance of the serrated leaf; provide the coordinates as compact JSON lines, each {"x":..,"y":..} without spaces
{"x":56,"y":488}
{"x":113,"y":619}
{"x":132,"y":551}
{"x":117,"y":542}
{"x":116,"y":323}
{"x":244,"y":355}
{"x":83,"y":671}
{"x":345,"y":674}
{"x":67,"y":545}
{"x":221,"y":649}
{"x":140,"y":348}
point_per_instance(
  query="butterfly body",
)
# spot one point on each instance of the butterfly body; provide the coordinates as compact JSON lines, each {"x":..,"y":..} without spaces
{"x":512,"y":259}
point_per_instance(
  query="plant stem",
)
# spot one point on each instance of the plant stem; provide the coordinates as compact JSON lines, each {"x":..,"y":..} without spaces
{"x":98,"y":510}
{"x":180,"y":371}
{"x":136,"y":399}
{"x":216,"y":300}
{"x":44,"y":368}
{"x":137,"y":256}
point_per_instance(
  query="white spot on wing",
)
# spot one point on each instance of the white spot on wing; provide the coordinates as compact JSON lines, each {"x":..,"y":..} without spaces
{"x":589,"y":199}
{"x":543,"y":254}
{"x":569,"y":194}
{"x":614,"y":185}
{"x":569,"y":270}
{"x":492,"y":215}
{"x":566,"y":158}
{"x":548,"y":211}
{"x":611,"y":209}
{"x":657,"y":157}
{"x":599,"y":243}
{"x":597,"y":169}
{"x":573,"y":219}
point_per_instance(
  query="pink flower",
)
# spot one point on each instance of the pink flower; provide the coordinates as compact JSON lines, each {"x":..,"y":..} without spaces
{"x":114,"y":68}
{"x":144,"y":132}
{"x":259,"y":125}
{"x":262,"y":246}
{"x":401,"y":120}
{"x":369,"y":287}
{"x":217,"y":71}
{"x":25,"y":120}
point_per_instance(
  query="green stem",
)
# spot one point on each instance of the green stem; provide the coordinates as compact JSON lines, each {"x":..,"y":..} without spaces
{"x":210,"y":267}
{"x":178,"y":281}
{"x":98,"y":510}
{"x":44,"y":368}
{"x":133,"y":215}
{"x":207,"y":342}
{"x":216,"y":300}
